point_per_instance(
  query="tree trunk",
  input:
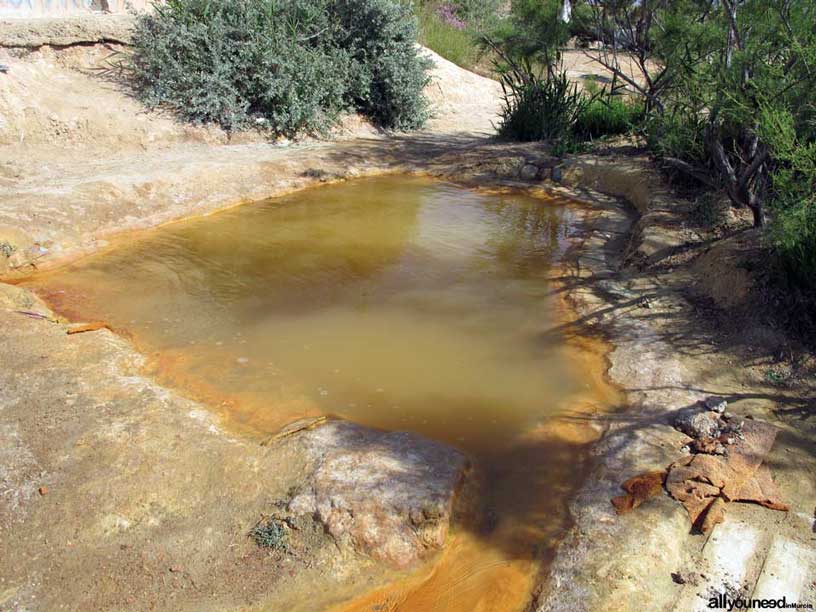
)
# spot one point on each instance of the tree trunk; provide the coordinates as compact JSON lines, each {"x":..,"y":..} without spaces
{"x":755,"y":204}
{"x":741,"y":183}
{"x":566,"y":11}
{"x":759,"y":217}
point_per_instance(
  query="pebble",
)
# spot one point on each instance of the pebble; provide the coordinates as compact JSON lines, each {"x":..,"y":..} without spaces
{"x":686,"y":578}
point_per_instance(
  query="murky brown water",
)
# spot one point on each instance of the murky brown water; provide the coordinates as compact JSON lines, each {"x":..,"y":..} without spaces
{"x":401,"y":303}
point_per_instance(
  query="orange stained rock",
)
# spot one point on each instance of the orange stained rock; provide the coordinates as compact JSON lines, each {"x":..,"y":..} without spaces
{"x":88,"y":327}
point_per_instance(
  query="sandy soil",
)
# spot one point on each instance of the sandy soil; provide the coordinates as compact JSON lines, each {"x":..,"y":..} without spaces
{"x":118,"y":494}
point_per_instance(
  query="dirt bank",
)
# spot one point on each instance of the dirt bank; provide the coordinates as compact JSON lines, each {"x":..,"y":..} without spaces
{"x":654,"y":288}
{"x":83,"y":161}
{"x":119,"y":494}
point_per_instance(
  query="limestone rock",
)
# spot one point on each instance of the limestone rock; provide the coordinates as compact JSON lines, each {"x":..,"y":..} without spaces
{"x":66,"y":30}
{"x":716,"y":404}
{"x":698,"y":423}
{"x":528,"y":172}
{"x":387,"y":494}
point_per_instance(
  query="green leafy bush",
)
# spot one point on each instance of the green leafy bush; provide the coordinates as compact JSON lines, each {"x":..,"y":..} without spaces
{"x":479,"y":14}
{"x":387,"y":74}
{"x":794,"y":236}
{"x":539,"y":108}
{"x":678,"y":134}
{"x":793,"y":191}
{"x":532,"y":32}
{"x":608,"y":116}
{"x":291,"y":65}
{"x":581,"y":25}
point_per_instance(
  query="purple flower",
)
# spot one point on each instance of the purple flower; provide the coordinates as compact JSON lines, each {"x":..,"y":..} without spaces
{"x":447,"y":13}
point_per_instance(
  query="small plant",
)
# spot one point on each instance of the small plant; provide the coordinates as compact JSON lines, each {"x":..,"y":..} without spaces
{"x":709,"y":209}
{"x":271,"y":533}
{"x":539,"y":108}
{"x":7,"y":249}
{"x":608,"y":115}
{"x":776,"y":377}
{"x":316,"y":173}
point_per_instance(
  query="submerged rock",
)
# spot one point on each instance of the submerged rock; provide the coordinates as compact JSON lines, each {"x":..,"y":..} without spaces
{"x":387,"y":494}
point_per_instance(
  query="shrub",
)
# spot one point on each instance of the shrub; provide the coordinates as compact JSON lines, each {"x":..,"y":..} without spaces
{"x":291,"y":65}
{"x":533,"y":32}
{"x":478,"y":14}
{"x":387,"y":72}
{"x":793,"y":191}
{"x":581,"y":25}
{"x":216,"y":61}
{"x":678,"y":134}
{"x":539,"y":108}
{"x":608,"y":116}
{"x":794,"y":236}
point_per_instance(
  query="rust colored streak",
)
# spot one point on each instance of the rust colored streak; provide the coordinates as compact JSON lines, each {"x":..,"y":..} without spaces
{"x":88,"y":327}
{"x":638,"y":490}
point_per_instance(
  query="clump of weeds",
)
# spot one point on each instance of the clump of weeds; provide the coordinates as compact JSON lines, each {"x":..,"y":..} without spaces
{"x":272,"y":533}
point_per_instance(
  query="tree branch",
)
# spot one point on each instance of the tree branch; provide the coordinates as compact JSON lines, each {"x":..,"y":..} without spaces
{"x":615,"y":70}
{"x":752,"y":169}
{"x":694,"y":172}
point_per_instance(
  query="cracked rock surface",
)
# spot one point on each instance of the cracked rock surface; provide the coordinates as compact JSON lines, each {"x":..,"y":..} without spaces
{"x":388,"y":494}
